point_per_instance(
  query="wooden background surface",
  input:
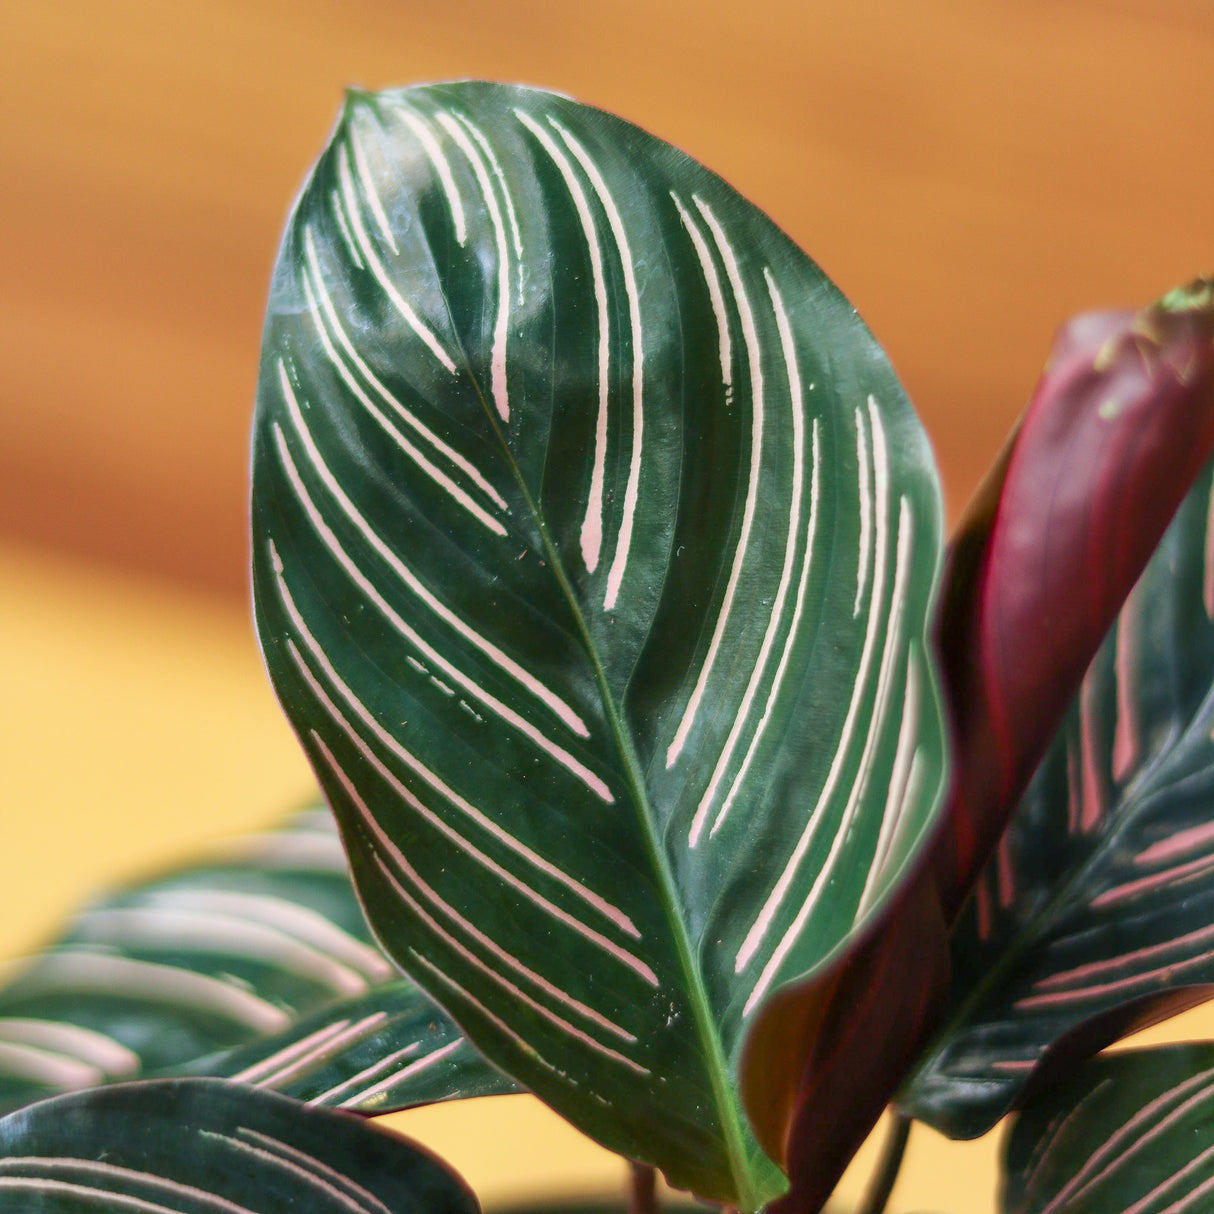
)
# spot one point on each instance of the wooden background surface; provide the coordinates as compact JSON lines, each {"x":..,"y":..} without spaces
{"x":969,"y":171}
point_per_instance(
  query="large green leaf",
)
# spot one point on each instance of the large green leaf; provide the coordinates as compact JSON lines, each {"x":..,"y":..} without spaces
{"x":1098,"y":906}
{"x":594,"y":541}
{"x":202,"y":1146}
{"x":1129,"y":1133}
{"x":256,"y":962}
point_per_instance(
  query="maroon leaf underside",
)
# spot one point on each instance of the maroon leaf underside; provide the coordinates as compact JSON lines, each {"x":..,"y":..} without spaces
{"x":1121,"y":423}
{"x":873,"y":1016}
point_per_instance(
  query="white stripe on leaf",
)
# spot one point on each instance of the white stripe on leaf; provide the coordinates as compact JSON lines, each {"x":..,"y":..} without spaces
{"x":592,"y":523}
{"x":85,"y":1044}
{"x":454,"y":916}
{"x":774,"y":619}
{"x":619,"y":562}
{"x":369,"y":191}
{"x":775,"y":899}
{"x":497,"y":371}
{"x":410,"y":419}
{"x":487,"y":824}
{"x":790,"y":639}
{"x":509,"y":715}
{"x":411,"y":318}
{"x":713,"y":281}
{"x":441,"y":166}
{"x":754,"y":360}
{"x":844,"y":828}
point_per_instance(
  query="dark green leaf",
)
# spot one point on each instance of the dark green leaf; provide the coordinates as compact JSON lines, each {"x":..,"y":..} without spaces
{"x":1129,"y":1133}
{"x":388,"y":1049}
{"x":202,"y":1146}
{"x":1101,"y":895}
{"x":594,"y":542}
{"x":1120,"y":424}
{"x":258,"y":961}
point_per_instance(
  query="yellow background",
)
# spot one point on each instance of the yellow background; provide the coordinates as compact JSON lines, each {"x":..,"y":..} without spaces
{"x":969,"y":171}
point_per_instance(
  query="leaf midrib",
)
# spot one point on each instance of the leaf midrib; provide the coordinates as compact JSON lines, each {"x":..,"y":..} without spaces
{"x":716,"y":1065}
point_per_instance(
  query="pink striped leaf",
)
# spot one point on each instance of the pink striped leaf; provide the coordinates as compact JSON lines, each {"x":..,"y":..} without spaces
{"x":204,"y":1146}
{"x":1128,"y":1133}
{"x":1098,"y":908}
{"x":594,"y":548}
{"x":254,"y":962}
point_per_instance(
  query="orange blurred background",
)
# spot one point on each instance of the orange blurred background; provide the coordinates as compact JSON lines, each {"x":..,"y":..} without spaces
{"x":969,"y":171}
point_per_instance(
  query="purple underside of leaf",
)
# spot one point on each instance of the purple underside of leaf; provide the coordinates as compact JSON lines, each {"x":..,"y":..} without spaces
{"x":1121,"y":423}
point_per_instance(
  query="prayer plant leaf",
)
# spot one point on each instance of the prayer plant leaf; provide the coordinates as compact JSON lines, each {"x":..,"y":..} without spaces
{"x":1120,"y":424}
{"x":1128,"y":1133}
{"x":255,"y":963}
{"x":202,"y":1146}
{"x":1095,"y":914}
{"x":389,"y":1049}
{"x":594,"y":541}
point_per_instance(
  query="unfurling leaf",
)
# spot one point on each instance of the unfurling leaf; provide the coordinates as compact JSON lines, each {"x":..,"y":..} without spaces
{"x":1126,"y":1134}
{"x":1095,"y":915}
{"x":594,"y":542}
{"x":202,"y":1146}
{"x":1121,"y":423}
{"x":255,"y":963}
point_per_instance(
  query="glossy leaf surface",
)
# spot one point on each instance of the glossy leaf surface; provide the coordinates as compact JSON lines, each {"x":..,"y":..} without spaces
{"x":1102,"y":891}
{"x":593,"y":545}
{"x":258,"y":961}
{"x":201,"y":1146}
{"x":1130,"y":1133}
{"x":1120,"y":424}
{"x":389,"y":1049}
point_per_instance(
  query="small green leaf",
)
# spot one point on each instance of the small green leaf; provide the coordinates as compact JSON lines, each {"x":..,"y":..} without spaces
{"x":594,"y":541}
{"x":257,"y":963}
{"x":1129,"y":1133}
{"x":202,"y":1146}
{"x":1101,"y":895}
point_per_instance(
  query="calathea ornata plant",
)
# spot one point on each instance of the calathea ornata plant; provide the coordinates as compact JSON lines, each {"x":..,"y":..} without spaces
{"x":684,"y":780}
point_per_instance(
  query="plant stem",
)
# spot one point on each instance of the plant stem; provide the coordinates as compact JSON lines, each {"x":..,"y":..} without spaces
{"x":642,"y":1192}
{"x":882,"y":1183}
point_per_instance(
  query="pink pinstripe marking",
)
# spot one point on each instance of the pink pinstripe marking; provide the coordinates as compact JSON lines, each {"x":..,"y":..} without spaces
{"x":356,"y":1032}
{"x":1092,"y":804}
{"x":282,"y":1148}
{"x":1207,"y":585}
{"x":1125,"y":737}
{"x":451,"y":913}
{"x":1072,"y":791}
{"x":109,"y":1171}
{"x":1092,"y":1172}
{"x":1113,"y":963}
{"x":386,"y":1085}
{"x":1059,"y":998}
{"x":1177,"y":845}
{"x":1160,"y":1189}
{"x":465,"y":845}
{"x":521,"y":995}
{"x":1012,"y":1067}
{"x":1131,"y":889}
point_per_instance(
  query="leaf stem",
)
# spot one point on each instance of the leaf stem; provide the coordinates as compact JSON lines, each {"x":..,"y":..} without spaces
{"x":882,"y":1183}
{"x":642,"y":1190}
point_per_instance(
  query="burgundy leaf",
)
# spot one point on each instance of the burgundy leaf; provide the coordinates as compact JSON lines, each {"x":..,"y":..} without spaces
{"x":1121,"y":423}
